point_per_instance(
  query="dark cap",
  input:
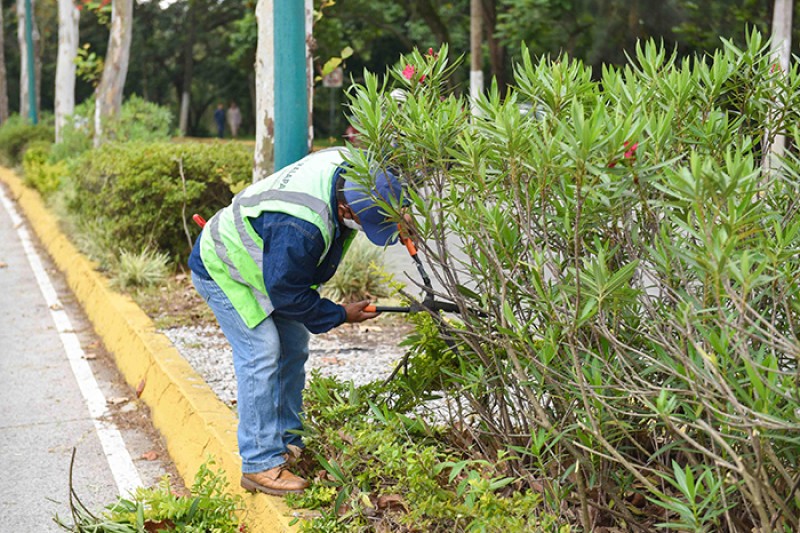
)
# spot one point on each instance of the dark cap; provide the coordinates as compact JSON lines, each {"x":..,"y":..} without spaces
{"x":379,"y":230}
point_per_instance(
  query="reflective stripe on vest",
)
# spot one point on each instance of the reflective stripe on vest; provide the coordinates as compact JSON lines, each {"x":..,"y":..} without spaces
{"x":233,"y":252}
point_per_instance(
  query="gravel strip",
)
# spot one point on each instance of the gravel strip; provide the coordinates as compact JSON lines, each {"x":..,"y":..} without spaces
{"x":352,"y":352}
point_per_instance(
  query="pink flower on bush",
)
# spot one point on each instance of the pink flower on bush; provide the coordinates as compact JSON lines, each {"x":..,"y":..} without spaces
{"x":631,"y":152}
{"x":409,"y":72}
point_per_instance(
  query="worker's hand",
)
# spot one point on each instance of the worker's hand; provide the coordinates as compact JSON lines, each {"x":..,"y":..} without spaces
{"x":355,"y":312}
{"x":407,"y":228}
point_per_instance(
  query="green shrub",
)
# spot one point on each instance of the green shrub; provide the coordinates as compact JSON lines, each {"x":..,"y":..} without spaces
{"x":76,"y":134}
{"x":380,"y":470}
{"x":137,"y":192}
{"x":38,"y":172}
{"x":17,"y":133}
{"x":139,"y":120}
{"x":636,"y":266}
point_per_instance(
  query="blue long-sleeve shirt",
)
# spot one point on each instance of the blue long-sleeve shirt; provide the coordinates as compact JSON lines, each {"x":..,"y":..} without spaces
{"x":292,"y":251}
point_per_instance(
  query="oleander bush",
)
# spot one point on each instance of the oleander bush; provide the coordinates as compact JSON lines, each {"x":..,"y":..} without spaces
{"x":634,"y":252}
{"x":142,"y":195}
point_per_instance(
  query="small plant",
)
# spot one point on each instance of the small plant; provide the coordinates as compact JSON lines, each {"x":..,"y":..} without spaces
{"x":209,"y":507}
{"x":38,"y":172}
{"x":700,"y":504}
{"x":143,"y":269}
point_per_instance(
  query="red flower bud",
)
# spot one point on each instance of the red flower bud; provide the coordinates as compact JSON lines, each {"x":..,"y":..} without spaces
{"x":632,"y":151}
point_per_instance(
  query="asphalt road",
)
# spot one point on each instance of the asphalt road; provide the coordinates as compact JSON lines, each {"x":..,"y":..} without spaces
{"x":60,"y":391}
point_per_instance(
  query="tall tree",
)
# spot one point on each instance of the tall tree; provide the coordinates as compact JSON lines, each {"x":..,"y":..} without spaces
{"x":781,"y":48}
{"x":188,"y":66}
{"x":476,"y":49}
{"x":68,"y":23}
{"x":3,"y":78}
{"x":310,"y":47}
{"x":497,"y":51}
{"x":24,"y":94}
{"x":115,"y":69}
{"x":265,"y":93}
{"x":209,"y":19}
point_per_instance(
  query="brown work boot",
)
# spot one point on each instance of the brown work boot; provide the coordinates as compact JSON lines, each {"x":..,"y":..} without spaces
{"x":277,"y":481}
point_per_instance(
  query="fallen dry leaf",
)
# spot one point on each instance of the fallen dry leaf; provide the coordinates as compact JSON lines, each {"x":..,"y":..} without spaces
{"x":56,"y":307}
{"x":345,"y":437}
{"x":3,"y":265}
{"x":90,"y":356}
{"x":140,"y":388}
{"x":391,"y":501}
{"x":150,"y":456}
{"x":117,"y":401}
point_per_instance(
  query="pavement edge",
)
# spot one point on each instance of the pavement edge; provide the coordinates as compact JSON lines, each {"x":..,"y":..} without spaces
{"x":194,"y":423}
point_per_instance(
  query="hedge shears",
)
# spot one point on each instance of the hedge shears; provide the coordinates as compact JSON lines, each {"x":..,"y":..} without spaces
{"x":429,"y":303}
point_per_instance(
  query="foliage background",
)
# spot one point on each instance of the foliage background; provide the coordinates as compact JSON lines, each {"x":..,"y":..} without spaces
{"x":220,"y":42}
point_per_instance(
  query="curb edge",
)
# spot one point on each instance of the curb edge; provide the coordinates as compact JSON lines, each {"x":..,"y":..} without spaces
{"x":190,"y":417}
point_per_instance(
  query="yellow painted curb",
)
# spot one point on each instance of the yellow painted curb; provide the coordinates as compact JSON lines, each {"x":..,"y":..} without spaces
{"x":193,"y":421}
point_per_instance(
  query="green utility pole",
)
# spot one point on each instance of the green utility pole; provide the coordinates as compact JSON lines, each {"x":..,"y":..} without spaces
{"x":31,"y":64}
{"x":291,"y":104}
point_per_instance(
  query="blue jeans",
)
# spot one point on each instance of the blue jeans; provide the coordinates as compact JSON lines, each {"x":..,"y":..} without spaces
{"x":270,"y":372}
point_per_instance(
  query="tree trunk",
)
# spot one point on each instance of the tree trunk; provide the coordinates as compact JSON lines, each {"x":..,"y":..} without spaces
{"x":3,"y":75}
{"x":188,"y":69}
{"x":497,"y":52}
{"x":475,"y":51}
{"x":68,"y":20}
{"x":24,"y":94}
{"x":426,"y":10}
{"x":112,"y":83}
{"x":265,"y":92}
{"x":782,"y":52}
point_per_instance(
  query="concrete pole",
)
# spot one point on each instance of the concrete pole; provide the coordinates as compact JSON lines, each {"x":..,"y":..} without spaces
{"x":31,"y":63}
{"x":291,"y":104}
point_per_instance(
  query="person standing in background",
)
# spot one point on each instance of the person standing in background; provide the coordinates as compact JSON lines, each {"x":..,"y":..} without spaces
{"x":219,"y":118}
{"x":234,"y":119}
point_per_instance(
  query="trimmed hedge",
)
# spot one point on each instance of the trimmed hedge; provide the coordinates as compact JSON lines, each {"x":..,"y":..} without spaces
{"x":17,"y":133}
{"x":136,"y":190}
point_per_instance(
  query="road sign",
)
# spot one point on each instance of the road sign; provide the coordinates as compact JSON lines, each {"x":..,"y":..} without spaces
{"x":335,"y":79}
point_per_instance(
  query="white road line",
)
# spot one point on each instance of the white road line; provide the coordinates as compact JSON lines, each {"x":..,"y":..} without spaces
{"x":119,"y":459}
